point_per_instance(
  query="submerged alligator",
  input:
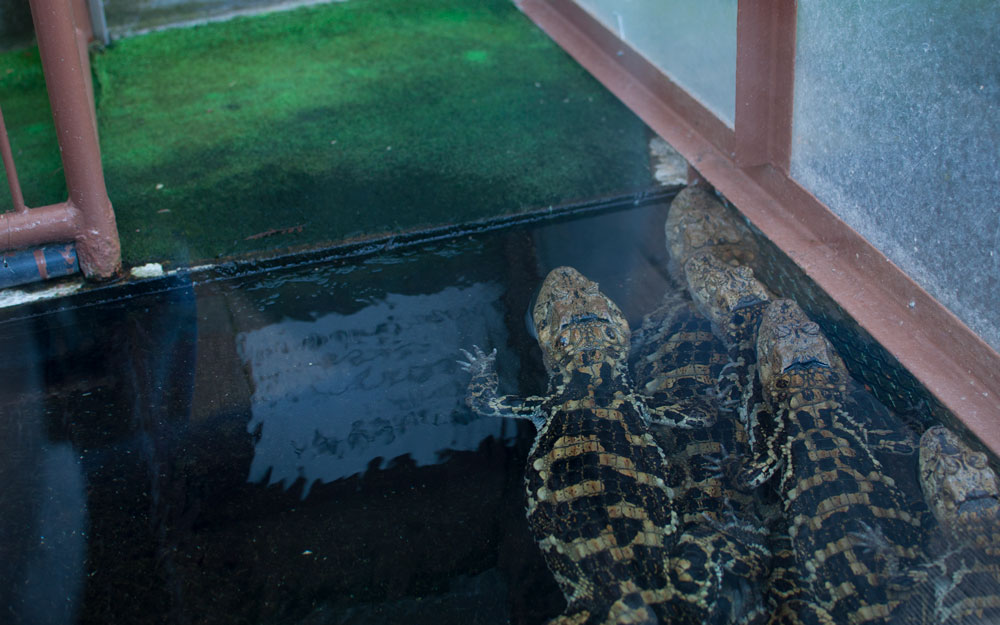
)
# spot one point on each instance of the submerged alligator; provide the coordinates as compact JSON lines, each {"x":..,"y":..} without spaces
{"x":649,"y":502}
{"x":711,"y":246}
{"x":835,"y":494}
{"x":711,"y":250}
{"x":732,"y":298}
{"x":960,"y":584}
{"x":674,"y":357}
{"x":698,"y":222}
{"x":823,"y":569}
{"x":598,"y":503}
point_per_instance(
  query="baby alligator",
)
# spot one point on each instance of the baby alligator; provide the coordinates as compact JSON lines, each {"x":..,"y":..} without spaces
{"x":675,"y":357}
{"x":833,"y":489}
{"x":960,"y":585}
{"x":734,"y":301}
{"x":597,"y":501}
{"x":698,"y":222}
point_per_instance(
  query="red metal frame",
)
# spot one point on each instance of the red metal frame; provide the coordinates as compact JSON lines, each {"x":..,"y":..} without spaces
{"x":63,"y":31}
{"x":750,"y":166}
{"x":765,"y":72}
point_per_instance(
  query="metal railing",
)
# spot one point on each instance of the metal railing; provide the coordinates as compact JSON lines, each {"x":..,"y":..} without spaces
{"x":749,"y":164}
{"x":86,"y":218}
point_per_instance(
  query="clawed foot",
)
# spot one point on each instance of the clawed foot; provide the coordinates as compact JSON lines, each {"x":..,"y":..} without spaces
{"x":870,"y":538}
{"x":726,"y":390}
{"x":478,"y":362}
{"x":721,"y":464}
{"x":714,"y":463}
{"x":727,"y":520}
{"x":873,"y":539}
{"x":734,"y":524}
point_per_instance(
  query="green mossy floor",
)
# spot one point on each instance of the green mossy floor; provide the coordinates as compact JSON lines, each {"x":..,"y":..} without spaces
{"x":329,"y":123}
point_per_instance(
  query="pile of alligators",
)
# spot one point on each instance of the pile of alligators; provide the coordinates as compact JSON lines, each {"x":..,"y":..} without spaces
{"x":719,"y":464}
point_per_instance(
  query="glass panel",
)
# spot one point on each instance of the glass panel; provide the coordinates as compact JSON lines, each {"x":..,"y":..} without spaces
{"x":693,"y":42}
{"x":294,"y":446}
{"x":896,"y":127}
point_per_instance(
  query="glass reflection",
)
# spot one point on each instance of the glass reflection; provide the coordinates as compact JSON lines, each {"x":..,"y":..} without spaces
{"x":693,"y":42}
{"x":334,"y":394}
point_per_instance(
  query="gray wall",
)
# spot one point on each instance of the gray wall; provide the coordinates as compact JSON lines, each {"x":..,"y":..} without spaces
{"x":897,"y":129}
{"x":692,"y":42}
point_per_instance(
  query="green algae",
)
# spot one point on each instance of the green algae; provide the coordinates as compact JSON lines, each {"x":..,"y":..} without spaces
{"x":28,"y":119}
{"x":307,"y":127}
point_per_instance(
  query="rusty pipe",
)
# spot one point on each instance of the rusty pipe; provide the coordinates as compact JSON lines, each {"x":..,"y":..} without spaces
{"x":66,"y":73}
{"x":84,"y":35}
{"x":46,"y":224}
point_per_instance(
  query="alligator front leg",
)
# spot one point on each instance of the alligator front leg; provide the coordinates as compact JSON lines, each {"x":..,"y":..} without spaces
{"x":882,"y":431}
{"x":693,"y":412}
{"x":482,"y":395}
{"x":766,"y":431}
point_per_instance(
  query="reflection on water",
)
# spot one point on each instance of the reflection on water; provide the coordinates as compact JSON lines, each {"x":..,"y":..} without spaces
{"x":332,"y":394}
{"x":54,"y":574}
{"x":43,"y":507}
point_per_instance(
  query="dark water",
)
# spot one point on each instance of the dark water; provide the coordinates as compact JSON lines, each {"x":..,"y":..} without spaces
{"x":291,"y":447}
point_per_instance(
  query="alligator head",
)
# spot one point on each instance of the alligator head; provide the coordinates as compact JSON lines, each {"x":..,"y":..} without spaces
{"x":962,"y":489}
{"x":720,"y":290}
{"x":572,"y":317}
{"x":787,"y":341}
{"x":698,"y":222}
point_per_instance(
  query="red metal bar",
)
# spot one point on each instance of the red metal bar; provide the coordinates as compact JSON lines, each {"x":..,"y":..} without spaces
{"x":66,"y":77}
{"x":765,"y":81}
{"x":8,"y":164}
{"x":47,"y":224}
{"x":950,"y":360}
{"x":84,"y":35}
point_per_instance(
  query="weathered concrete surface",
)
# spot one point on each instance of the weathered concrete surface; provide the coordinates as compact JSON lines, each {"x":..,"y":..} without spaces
{"x":127,"y":17}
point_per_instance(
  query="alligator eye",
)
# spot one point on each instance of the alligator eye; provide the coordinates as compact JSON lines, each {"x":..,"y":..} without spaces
{"x":610,"y":332}
{"x":977,"y":460}
{"x":951,"y":466}
{"x":782,"y":332}
{"x":563,"y":341}
{"x":811,"y":328}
